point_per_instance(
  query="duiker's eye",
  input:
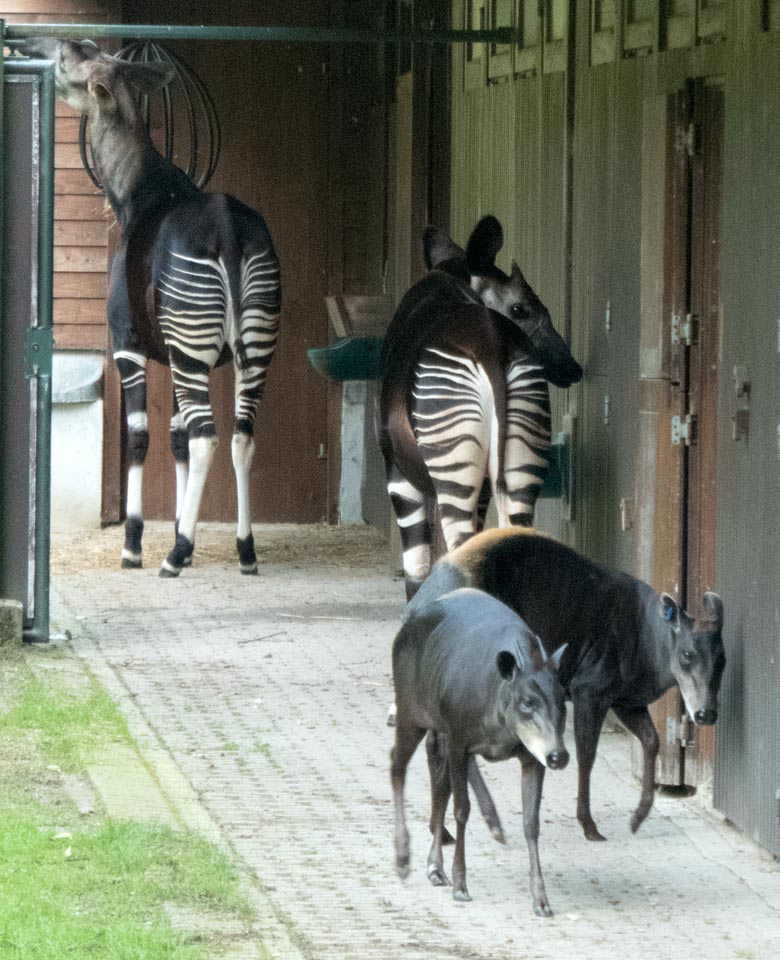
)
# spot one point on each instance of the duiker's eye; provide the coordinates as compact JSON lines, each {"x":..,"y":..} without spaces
{"x":518,"y":310}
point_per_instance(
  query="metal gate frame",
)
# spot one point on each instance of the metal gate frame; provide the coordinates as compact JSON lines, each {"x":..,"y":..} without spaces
{"x":39,"y":347}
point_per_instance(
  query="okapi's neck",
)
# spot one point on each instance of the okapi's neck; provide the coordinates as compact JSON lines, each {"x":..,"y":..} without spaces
{"x":135,"y":177}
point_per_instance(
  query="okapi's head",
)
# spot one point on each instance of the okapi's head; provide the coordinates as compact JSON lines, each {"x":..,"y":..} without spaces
{"x":534,"y":704}
{"x":93,"y":82}
{"x":510,"y":295}
{"x":697,"y":653}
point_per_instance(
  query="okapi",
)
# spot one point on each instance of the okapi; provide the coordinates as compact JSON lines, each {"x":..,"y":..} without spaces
{"x":195,"y":284}
{"x":466,"y":666}
{"x":626,"y":644}
{"x":464,"y":404}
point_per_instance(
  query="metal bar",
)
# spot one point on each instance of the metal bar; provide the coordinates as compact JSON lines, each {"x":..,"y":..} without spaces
{"x":129,"y":31}
{"x":41,"y":356}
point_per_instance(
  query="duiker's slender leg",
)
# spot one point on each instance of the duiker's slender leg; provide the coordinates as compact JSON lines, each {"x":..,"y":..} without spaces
{"x":438,"y":769}
{"x":532,"y":783}
{"x":588,"y":718}
{"x":407,"y":739}
{"x":132,"y":372}
{"x":639,"y":722}
{"x":462,"y":808}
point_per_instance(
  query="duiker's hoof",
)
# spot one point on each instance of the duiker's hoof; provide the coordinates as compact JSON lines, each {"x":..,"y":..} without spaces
{"x":498,"y":834}
{"x":437,"y":876}
{"x":542,"y":910}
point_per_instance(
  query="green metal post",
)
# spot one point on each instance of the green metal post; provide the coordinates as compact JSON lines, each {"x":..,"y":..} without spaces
{"x":38,"y":359}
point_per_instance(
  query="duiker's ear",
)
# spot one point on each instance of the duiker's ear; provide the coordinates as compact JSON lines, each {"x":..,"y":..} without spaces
{"x":713,"y":607}
{"x":556,"y":658}
{"x":438,"y":247}
{"x":147,"y":77}
{"x":485,"y":241}
{"x":506,"y":664}
{"x":670,"y":611}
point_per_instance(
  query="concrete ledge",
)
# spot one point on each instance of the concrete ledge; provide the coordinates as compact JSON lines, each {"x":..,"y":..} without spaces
{"x":10,"y":622}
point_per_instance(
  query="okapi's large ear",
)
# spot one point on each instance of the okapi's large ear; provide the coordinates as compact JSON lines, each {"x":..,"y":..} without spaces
{"x":713,"y":607}
{"x":670,"y":611}
{"x":148,"y":77}
{"x":555,"y":659}
{"x":438,"y":247}
{"x":506,"y":664}
{"x":485,"y":241}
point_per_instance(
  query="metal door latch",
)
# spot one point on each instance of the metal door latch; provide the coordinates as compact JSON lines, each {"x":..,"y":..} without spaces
{"x":684,"y":329}
{"x":684,"y":430}
{"x":680,"y":731}
{"x":740,"y":419}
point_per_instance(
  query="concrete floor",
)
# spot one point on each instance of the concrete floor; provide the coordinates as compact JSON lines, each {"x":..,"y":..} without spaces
{"x":260,"y":705}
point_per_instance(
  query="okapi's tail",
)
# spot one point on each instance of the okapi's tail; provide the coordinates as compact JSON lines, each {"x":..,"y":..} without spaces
{"x":231,"y":254}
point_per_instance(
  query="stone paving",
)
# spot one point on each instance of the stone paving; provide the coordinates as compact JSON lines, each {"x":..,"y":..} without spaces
{"x":266,"y":698}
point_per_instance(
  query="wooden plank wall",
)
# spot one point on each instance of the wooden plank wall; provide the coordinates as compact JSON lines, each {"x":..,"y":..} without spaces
{"x":629,"y":361}
{"x":82,"y":219}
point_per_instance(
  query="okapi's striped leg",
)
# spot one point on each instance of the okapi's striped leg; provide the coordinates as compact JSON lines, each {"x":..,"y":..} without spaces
{"x":413,"y":515}
{"x":453,"y":413}
{"x":252,"y":352}
{"x":180,"y":448}
{"x":132,"y":372}
{"x":191,"y":383}
{"x":527,"y":446}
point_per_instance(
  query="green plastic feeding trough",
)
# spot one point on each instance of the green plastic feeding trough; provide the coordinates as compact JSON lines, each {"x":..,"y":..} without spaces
{"x":348,"y":358}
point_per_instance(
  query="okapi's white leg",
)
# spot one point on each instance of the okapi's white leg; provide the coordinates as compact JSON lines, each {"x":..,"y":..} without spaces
{"x":253,"y":349}
{"x":132,"y":372}
{"x":201,"y":456}
{"x":243,"y":449}
{"x":191,"y":383}
{"x":180,"y":448}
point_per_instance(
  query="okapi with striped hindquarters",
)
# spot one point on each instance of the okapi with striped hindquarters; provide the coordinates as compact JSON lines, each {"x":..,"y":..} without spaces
{"x":464,"y":408}
{"x":626,"y":644}
{"x":194,"y":285}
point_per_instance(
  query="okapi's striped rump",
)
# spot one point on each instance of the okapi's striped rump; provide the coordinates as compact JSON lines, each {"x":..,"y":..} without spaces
{"x":479,"y":407}
{"x":217,"y":288}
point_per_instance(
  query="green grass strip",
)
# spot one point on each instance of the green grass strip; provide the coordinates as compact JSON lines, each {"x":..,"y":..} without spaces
{"x":90,"y":888}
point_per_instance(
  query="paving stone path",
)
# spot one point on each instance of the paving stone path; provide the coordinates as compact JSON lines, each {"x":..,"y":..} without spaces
{"x":270,"y":695}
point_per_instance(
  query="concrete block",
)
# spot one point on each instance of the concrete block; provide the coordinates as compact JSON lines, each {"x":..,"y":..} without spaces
{"x":10,"y":622}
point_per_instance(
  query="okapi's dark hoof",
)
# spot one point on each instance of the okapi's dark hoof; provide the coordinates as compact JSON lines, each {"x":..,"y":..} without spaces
{"x":247,"y":558}
{"x":131,"y":563}
{"x":173,"y":563}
